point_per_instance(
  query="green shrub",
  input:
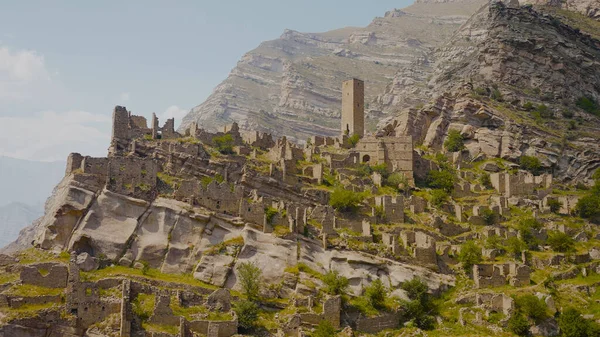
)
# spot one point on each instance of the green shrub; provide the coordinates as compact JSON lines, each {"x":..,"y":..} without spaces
{"x":485,"y":181}
{"x":324,"y":329}
{"x":497,"y":95}
{"x":489,"y":216}
{"x":588,"y":206}
{"x":376,"y":292}
{"x":224,"y":143}
{"x":438,"y":197}
{"x":454,"y":142}
{"x":531,"y":164}
{"x":532,"y":307}
{"x":514,"y":246}
{"x":572,"y":125}
{"x":572,"y":324}
{"x":544,"y":111}
{"x":250,"y":279}
{"x":345,"y":200}
{"x":561,"y":242}
{"x":518,"y":324}
{"x":588,"y":104}
{"x":353,"y":140}
{"x":443,"y":179}
{"x":481,"y":91}
{"x":470,"y":255}
{"x":528,"y":106}
{"x":270,"y":213}
{"x":247,"y":313}
{"x":396,"y":180}
{"x":567,"y":113}
{"x":525,"y":228}
{"x":420,"y":310}
{"x":554,"y":205}
{"x":335,"y":284}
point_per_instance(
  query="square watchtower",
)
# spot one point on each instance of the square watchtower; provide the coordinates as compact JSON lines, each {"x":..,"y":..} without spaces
{"x":353,"y":107}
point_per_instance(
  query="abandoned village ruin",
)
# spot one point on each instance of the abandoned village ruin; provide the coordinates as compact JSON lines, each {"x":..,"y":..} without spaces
{"x":165,"y":200}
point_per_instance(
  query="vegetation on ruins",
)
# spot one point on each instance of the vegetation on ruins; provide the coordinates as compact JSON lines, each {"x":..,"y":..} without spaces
{"x":376,"y":293}
{"x":561,"y":242}
{"x":224,"y":143}
{"x":345,"y":200}
{"x":420,"y":310}
{"x":335,"y":284}
{"x":324,"y":329}
{"x":573,"y":324}
{"x":247,"y":313}
{"x":353,"y":140}
{"x":250,"y":277}
{"x":454,"y":142}
{"x":530,"y":163}
{"x":470,"y":254}
{"x":589,"y":205}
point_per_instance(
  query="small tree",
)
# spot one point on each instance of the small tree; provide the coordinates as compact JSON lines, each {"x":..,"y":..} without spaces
{"x":454,"y":142}
{"x":561,"y":242}
{"x":324,"y":329}
{"x":470,"y":254}
{"x":376,"y":292}
{"x":250,"y":279}
{"x":484,"y":179}
{"x":572,"y":324}
{"x":518,"y":324}
{"x":514,"y":246}
{"x":588,"y":104}
{"x":589,"y":206}
{"x":532,"y":307}
{"x":443,"y":179}
{"x":247,"y":313}
{"x":224,"y":143}
{"x":419,"y":309}
{"x":489,"y":216}
{"x":353,"y":140}
{"x":335,"y":284}
{"x":438,"y":197}
{"x":345,"y":200}
{"x":554,"y":205}
{"x":531,"y":164}
{"x":396,"y":180}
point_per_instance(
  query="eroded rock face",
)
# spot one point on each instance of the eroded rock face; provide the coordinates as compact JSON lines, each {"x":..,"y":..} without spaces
{"x":528,"y":57}
{"x":291,"y":86}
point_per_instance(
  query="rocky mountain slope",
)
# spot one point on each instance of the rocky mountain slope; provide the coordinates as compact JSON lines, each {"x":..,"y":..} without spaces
{"x":290,"y":86}
{"x":512,"y":82}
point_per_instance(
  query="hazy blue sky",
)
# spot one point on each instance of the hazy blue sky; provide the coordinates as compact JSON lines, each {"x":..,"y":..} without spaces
{"x":65,"y":64}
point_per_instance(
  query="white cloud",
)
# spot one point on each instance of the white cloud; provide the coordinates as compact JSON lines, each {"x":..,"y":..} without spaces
{"x":23,"y":73}
{"x":125,"y":96}
{"x":49,"y":136}
{"x":173,"y":112}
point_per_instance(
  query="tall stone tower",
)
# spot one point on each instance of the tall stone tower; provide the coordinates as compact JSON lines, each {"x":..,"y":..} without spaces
{"x":353,"y":107}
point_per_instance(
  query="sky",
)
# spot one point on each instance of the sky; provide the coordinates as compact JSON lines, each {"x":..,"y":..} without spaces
{"x":64,"y":65}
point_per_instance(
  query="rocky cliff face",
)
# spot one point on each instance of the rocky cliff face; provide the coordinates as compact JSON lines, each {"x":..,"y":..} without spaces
{"x":511,"y":78}
{"x":290,"y":86}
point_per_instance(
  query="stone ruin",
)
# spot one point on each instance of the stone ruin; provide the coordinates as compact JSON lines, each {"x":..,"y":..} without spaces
{"x":496,"y":275}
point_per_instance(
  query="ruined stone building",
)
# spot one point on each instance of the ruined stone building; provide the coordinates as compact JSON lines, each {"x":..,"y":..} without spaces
{"x":353,"y":107}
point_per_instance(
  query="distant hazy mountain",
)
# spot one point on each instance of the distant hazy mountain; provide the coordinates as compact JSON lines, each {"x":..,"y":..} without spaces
{"x":15,"y":216}
{"x":24,"y":187}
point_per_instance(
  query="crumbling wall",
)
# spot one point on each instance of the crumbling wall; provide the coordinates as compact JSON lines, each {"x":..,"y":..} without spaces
{"x":135,"y":177}
{"x":48,"y":275}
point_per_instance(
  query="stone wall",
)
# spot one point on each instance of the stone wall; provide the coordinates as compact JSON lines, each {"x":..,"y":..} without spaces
{"x":48,"y":275}
{"x":377,"y":324}
{"x":135,"y":177}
